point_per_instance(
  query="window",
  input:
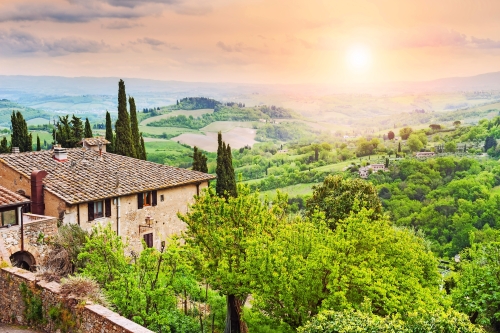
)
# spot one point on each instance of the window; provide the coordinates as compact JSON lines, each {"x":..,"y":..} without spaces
{"x":148,"y":239}
{"x":8,"y":217}
{"x":146,"y":199}
{"x":98,"y":209}
{"x":162,"y":198}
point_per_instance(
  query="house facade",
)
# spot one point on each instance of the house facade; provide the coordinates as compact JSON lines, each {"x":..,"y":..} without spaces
{"x":365,"y":171}
{"x":87,"y":186}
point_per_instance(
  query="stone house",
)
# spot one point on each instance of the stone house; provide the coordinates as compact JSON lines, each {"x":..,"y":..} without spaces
{"x":22,"y":235}
{"x":89,"y":186}
{"x":365,"y":171}
{"x":425,"y":154}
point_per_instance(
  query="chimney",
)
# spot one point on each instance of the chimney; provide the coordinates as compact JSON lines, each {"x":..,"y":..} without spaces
{"x":37,"y":202}
{"x":60,"y":154}
{"x":15,"y":150}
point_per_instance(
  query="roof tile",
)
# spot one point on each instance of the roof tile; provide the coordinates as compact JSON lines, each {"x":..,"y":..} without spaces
{"x":87,"y":177}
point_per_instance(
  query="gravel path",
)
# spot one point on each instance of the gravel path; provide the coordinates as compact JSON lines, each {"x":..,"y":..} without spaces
{"x":4,"y":328}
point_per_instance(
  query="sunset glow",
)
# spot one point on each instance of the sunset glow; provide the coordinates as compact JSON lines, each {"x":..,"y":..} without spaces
{"x":252,"y":41}
{"x":358,"y":58}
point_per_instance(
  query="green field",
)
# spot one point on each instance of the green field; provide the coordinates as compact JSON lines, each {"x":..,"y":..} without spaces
{"x":292,"y":190}
{"x":38,"y":121}
{"x":226,"y":126}
{"x":187,"y":113}
{"x":171,"y":131}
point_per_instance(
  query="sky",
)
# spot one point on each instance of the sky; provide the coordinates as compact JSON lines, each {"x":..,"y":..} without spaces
{"x":253,"y":41}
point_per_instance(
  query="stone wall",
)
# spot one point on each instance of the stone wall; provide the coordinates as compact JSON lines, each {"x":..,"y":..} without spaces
{"x":37,"y":230}
{"x":56,"y":313}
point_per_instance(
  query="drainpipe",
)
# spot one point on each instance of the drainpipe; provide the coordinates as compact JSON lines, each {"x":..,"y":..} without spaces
{"x":19,"y":212}
{"x":118,"y":216}
{"x":78,"y":212}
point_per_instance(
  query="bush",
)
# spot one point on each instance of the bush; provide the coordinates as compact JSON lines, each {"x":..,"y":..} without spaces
{"x":448,"y":321}
{"x":83,"y":289}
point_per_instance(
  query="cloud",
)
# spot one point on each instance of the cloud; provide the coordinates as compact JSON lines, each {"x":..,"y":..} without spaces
{"x":66,"y":14}
{"x":430,"y":37}
{"x":17,"y":42}
{"x":485,"y":43}
{"x":155,"y":43}
{"x":228,"y":48}
{"x":118,"y":25}
{"x":438,"y":37}
{"x":193,"y":10}
{"x":240,"y":48}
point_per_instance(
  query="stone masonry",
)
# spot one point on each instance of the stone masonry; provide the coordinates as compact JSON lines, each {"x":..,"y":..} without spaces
{"x":37,"y":231}
{"x":88,"y":318}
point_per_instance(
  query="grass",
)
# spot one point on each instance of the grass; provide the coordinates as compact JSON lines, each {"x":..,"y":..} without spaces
{"x":38,"y":121}
{"x":172,"y":131}
{"x":226,"y":126}
{"x":187,"y":113}
{"x":292,"y":190}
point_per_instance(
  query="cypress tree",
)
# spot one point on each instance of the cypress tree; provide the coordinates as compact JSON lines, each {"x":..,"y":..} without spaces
{"x":203,"y":163}
{"x":220,"y":170}
{"x":4,"y":146}
{"x":196,"y":159}
{"x":29,"y":143}
{"x":77,"y":133}
{"x":231,"y":179}
{"x":38,"y":146}
{"x":109,"y":133}
{"x":20,"y":136}
{"x":134,"y":127}
{"x":123,"y":144}
{"x":87,"y":133}
{"x":143,"y":150}
{"x":399,"y":147}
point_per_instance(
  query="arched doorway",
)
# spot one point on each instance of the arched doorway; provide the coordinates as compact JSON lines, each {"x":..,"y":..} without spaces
{"x":23,"y":259}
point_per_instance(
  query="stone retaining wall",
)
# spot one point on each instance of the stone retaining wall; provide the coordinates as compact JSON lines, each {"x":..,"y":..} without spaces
{"x":55,"y":314}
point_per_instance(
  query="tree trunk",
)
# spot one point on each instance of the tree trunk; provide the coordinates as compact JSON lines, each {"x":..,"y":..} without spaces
{"x":234,"y":324}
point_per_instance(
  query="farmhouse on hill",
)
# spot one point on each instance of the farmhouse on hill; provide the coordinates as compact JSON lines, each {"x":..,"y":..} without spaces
{"x":89,"y":186}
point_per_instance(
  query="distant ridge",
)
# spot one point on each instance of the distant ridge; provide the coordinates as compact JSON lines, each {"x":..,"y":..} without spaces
{"x":13,"y":86}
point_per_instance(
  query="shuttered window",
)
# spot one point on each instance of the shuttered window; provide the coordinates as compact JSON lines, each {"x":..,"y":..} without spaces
{"x":107,"y":207}
{"x":148,"y":239}
{"x":154,"y":201}
{"x":91,"y":211}
{"x":140,"y":201}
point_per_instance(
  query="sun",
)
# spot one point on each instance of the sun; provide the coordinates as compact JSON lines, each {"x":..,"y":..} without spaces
{"x":358,"y":58}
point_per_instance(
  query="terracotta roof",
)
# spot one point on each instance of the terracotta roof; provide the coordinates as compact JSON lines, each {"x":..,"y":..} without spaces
{"x":86,"y":177}
{"x":9,"y":198}
{"x":95,"y":141}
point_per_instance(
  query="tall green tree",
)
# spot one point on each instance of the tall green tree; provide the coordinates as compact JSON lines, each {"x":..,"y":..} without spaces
{"x":20,"y":136}
{"x":220,"y":231}
{"x":196,"y":159}
{"x":4,"y":146}
{"x":337,"y":198}
{"x":134,"y":126}
{"x":63,"y":133}
{"x":77,"y":133}
{"x":144,"y":156}
{"x":88,"y":129}
{"x":199,"y":161}
{"x":221,"y":170}
{"x":38,"y":145}
{"x":478,"y":287}
{"x":123,"y":144}
{"x":363,"y":264}
{"x":109,"y":134}
{"x":230,"y":177}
